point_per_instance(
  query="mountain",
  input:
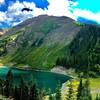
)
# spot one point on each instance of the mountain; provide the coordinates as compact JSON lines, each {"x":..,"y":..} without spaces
{"x":40,"y":41}
{"x":84,"y":51}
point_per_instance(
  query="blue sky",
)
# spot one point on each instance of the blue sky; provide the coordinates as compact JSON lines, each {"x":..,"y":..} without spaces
{"x":87,"y":11}
{"x":92,"y":5}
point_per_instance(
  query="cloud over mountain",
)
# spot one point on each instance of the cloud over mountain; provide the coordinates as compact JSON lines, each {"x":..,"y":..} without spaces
{"x":14,"y":14}
{"x":70,"y":8}
{"x":87,"y":15}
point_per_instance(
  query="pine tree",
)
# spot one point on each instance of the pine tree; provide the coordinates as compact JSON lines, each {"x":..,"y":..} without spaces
{"x":6,"y":88}
{"x":22,"y":89}
{"x":70,"y":95}
{"x":1,"y":86}
{"x":58,"y":93}
{"x":9,"y":76}
{"x":16,"y":94}
{"x":80,"y":88}
{"x":58,"y":61}
{"x":34,"y":95}
{"x":86,"y":94}
{"x":97,"y":97}
{"x":42,"y":94}
{"x":8,"y":84}
{"x":25,"y":92}
{"x":50,"y":95}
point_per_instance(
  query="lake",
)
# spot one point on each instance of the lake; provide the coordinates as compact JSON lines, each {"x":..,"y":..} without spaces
{"x":43,"y":79}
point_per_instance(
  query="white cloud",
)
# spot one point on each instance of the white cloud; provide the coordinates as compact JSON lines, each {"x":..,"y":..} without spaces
{"x":14,"y":15}
{"x":36,"y":11}
{"x":2,"y":16}
{"x":87,"y":14}
{"x":2,"y":2}
{"x":15,"y":23}
{"x":14,"y":12}
{"x":59,"y":8}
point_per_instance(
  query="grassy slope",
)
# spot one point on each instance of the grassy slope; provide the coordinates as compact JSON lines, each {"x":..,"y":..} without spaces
{"x":43,"y":56}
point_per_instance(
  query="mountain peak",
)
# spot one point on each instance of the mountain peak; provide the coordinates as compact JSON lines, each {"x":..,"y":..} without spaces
{"x":43,"y":36}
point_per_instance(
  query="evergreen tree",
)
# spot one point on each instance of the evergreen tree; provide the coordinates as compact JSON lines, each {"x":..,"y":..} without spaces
{"x":86,"y":94}
{"x":9,"y":76}
{"x":6,"y":88}
{"x":97,"y":97}
{"x":16,"y":94}
{"x":80,"y":88}
{"x":8,"y":84}
{"x":70,"y":95}
{"x":34,"y":95}
{"x":26,"y":92}
{"x":1,"y":86}
{"x":58,"y":61}
{"x":58,"y":93}
{"x":42,"y":94}
{"x":50,"y":95}
{"x":22,"y":89}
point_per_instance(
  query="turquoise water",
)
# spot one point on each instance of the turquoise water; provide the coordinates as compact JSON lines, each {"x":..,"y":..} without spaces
{"x":44,"y":80}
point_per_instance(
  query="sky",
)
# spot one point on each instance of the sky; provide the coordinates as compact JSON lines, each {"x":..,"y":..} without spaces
{"x":87,"y":11}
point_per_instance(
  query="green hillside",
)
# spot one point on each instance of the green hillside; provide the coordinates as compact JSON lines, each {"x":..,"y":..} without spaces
{"x":84,"y":51}
{"x":38,"y":42}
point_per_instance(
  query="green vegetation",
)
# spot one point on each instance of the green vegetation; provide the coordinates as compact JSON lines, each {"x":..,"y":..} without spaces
{"x":84,"y":52}
{"x":58,"y":93}
{"x":79,"y":90}
{"x":6,"y":40}
{"x":97,"y":97}
{"x":70,"y":94}
{"x":79,"y":23}
{"x":44,"y":56}
{"x":50,"y":42}
{"x":86,"y":95}
{"x":21,"y":92}
{"x":47,"y":26}
{"x":38,"y":45}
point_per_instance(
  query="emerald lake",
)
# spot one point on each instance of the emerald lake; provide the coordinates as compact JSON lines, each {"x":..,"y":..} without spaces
{"x":43,"y":79}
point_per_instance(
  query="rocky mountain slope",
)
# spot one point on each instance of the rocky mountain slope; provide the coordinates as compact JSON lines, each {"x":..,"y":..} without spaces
{"x":39,"y":41}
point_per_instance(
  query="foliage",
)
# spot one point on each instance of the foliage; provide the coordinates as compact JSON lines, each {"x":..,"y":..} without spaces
{"x":97,"y":97}
{"x":79,"y":90}
{"x":58,"y":93}
{"x":84,"y":51}
{"x":19,"y":92}
{"x":70,"y":95}
{"x":86,"y":94}
{"x":51,"y":97}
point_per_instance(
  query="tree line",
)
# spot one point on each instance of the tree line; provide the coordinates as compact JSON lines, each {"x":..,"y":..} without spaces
{"x":31,"y":91}
{"x":22,"y":91}
{"x":84,"y":51}
{"x":83,"y":92}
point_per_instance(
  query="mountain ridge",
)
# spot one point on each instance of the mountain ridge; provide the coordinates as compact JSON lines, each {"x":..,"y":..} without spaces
{"x":38,"y":42}
{"x":46,"y":34}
